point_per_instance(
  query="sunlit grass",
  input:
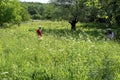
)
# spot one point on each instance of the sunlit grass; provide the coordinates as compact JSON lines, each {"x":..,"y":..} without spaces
{"x":59,"y":55}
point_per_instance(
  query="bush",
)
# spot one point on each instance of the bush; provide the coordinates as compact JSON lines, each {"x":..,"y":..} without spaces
{"x":36,"y":16}
{"x":118,"y":19}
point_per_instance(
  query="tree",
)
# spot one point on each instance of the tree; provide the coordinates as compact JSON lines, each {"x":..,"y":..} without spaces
{"x":71,"y":10}
{"x":48,"y":11}
{"x":24,"y":14}
{"x":35,"y":9}
{"x":103,"y":11}
{"x":9,"y":11}
{"x":110,"y":9}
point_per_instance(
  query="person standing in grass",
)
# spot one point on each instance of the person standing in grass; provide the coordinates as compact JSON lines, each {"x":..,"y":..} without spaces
{"x":110,"y":33}
{"x":39,"y":32}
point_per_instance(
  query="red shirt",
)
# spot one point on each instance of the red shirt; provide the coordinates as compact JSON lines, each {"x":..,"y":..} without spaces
{"x":39,"y":32}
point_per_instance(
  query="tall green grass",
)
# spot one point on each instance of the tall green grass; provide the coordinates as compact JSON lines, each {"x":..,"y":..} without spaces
{"x":60,"y":55}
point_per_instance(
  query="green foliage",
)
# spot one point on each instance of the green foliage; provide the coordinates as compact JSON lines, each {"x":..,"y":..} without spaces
{"x":85,"y":54}
{"x":72,"y":9}
{"x":77,"y":10}
{"x":39,"y":11}
{"x":9,"y":11}
{"x":24,"y":13}
{"x":102,"y":11}
{"x":36,"y":16}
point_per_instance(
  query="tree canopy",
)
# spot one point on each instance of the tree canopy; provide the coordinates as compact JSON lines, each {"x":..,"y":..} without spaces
{"x":103,"y":11}
{"x":10,"y":11}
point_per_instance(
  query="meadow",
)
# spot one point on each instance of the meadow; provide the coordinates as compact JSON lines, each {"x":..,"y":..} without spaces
{"x":84,"y":54}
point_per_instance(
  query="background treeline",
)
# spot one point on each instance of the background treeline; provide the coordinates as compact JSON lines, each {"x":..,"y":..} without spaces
{"x":38,"y":10}
{"x":102,"y":11}
{"x":43,"y":11}
{"x":93,"y":11}
{"x":89,"y":11}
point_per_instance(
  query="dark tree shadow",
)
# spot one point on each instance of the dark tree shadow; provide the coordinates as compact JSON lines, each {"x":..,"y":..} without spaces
{"x":74,"y":34}
{"x":94,"y":25}
{"x":100,"y":29}
{"x":86,"y":31}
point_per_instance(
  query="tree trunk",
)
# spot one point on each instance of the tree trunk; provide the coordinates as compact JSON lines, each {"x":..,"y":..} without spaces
{"x":73,"y":24}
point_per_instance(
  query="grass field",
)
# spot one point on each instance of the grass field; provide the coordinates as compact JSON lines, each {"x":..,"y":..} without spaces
{"x":85,"y":54}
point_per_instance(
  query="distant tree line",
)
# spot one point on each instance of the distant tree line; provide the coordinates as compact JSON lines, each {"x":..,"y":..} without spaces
{"x":39,"y":10}
{"x":102,"y":11}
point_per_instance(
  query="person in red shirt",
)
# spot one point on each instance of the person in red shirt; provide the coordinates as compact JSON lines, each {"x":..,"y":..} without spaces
{"x":39,"y":32}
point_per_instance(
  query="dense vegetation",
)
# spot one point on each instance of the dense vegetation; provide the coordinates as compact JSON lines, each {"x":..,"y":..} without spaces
{"x":60,"y":55}
{"x":102,"y":11}
{"x":81,"y":52}
{"x":74,"y":11}
{"x":9,"y":11}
